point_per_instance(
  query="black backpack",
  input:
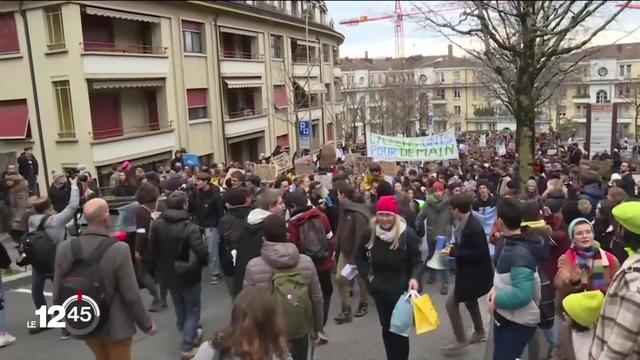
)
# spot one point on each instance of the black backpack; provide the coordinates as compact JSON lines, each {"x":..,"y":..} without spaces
{"x":39,"y":249}
{"x":85,"y":275}
{"x":313,"y":240}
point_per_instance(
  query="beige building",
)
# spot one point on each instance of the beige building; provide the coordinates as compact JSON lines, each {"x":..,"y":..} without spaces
{"x":93,"y":83}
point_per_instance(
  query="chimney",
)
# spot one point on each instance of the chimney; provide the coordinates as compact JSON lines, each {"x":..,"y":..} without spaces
{"x":450,"y":50}
{"x":366,"y":54}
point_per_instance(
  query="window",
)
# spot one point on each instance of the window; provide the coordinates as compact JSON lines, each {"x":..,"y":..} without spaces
{"x":492,"y":126}
{"x":55,"y":30}
{"x":621,"y":70}
{"x":336,"y":55}
{"x":602,"y":96}
{"x":456,"y":94}
{"x":581,"y":110}
{"x":197,"y":103}
{"x":440,"y":94}
{"x":192,"y":37}
{"x":458,"y":127}
{"x":628,"y":69}
{"x":326,"y":53}
{"x":456,"y":76}
{"x":62,"y":93}
{"x":457,"y":110}
{"x":277,"y":47}
{"x":440,"y":76}
{"x":9,"y":34}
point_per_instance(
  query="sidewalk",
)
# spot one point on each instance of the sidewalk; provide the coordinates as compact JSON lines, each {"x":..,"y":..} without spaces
{"x":15,"y":272}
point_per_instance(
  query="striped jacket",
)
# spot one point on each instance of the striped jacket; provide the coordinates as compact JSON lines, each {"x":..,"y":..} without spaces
{"x":618,"y":332}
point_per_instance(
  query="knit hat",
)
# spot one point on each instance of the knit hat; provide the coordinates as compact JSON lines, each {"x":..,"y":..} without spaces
{"x":125,"y":165}
{"x":204,"y":176}
{"x":584,"y":308}
{"x":384,"y":189}
{"x":374,"y":166}
{"x":275,"y":228}
{"x":627,"y":215}
{"x":236,"y":197}
{"x":387,"y":204}
{"x":576,"y":221}
{"x":57,"y":175}
{"x":438,"y":186}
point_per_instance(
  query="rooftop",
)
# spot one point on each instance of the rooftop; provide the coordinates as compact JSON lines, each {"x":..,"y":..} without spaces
{"x":408,"y":63}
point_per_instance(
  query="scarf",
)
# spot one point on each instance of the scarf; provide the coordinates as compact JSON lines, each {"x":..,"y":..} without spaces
{"x":392,"y":234}
{"x":591,"y":260}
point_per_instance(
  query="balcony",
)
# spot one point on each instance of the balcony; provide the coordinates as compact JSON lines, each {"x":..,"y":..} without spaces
{"x":581,"y":98}
{"x":242,"y":102}
{"x":438,"y":100}
{"x":137,"y":143}
{"x":116,"y":43}
{"x":244,"y":114}
{"x":239,"y":44}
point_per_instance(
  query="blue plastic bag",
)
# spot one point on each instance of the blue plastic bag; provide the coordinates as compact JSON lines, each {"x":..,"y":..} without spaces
{"x":402,"y":316}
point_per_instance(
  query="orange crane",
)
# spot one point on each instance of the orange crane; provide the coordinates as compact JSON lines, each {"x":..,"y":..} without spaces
{"x":398,"y":21}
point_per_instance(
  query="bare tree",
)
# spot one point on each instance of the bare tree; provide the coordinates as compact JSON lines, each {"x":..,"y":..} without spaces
{"x":527,"y":48}
{"x":631,"y":96}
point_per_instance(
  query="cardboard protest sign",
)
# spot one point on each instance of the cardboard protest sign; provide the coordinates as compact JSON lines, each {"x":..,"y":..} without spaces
{"x":351,"y":159}
{"x":282,"y":161}
{"x":267,"y":172}
{"x":328,"y":156}
{"x":325,"y":180}
{"x":389,"y":167}
{"x":305,"y":165}
{"x":441,"y":146}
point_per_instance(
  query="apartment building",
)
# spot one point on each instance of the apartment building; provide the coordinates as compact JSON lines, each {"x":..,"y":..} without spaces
{"x":435,"y":92}
{"x":93,"y":83}
{"x":609,"y":75}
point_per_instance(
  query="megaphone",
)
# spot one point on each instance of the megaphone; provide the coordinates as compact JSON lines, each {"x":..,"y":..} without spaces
{"x":437,"y":261}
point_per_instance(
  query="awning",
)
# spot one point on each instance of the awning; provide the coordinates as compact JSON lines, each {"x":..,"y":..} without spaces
{"x":126,"y":84}
{"x":314,"y":85}
{"x":256,"y":135}
{"x":121,"y":15}
{"x":239,"y":83}
{"x":237,"y":31}
{"x":280,"y":96}
{"x":14,"y":116}
{"x":164,"y":156}
{"x":305,"y":43}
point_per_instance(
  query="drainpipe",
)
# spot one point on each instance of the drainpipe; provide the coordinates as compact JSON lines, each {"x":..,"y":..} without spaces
{"x":36,"y":103}
{"x":220,"y":93}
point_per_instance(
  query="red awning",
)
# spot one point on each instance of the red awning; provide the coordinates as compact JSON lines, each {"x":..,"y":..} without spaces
{"x":196,"y":97}
{"x":283,"y":141}
{"x":14,"y":119}
{"x":280,"y":96}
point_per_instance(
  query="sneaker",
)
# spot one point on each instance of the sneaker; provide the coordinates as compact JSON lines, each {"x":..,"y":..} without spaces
{"x":155,"y":306}
{"x":199,"y":337}
{"x":65,"y":335}
{"x":322,"y":339}
{"x":344,"y":317}
{"x":454,"y":349}
{"x":188,"y":355}
{"x":444,"y":290}
{"x":362,"y":310}
{"x":6,"y":339}
{"x":477,"y":337}
{"x":215,"y":280}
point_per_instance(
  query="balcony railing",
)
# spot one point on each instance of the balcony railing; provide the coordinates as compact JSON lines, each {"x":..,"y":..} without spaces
{"x":234,"y":115}
{"x":581,"y":96}
{"x":235,"y":54}
{"x":122,"y":48}
{"x":120,"y":131}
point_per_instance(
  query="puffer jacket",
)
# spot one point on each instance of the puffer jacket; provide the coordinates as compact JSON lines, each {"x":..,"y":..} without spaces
{"x":301,"y":216}
{"x":273,"y":255}
{"x":18,"y":202}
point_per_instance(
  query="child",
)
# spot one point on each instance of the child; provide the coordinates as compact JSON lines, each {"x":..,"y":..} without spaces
{"x":582,"y":311}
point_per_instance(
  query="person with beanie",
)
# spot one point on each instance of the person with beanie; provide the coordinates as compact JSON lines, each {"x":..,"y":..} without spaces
{"x":307,"y":222}
{"x":437,"y":218}
{"x":584,"y":266}
{"x":278,"y":254}
{"x":474,"y":273}
{"x":582,"y":311}
{"x":231,"y":228}
{"x":616,"y":336}
{"x":59,"y":191}
{"x":388,"y":256}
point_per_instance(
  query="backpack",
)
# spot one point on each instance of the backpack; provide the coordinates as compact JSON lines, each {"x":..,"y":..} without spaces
{"x":292,"y":295}
{"x":84,"y":275}
{"x":39,"y":249}
{"x":313,"y":240}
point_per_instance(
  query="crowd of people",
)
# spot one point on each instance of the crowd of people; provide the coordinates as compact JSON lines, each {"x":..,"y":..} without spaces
{"x":559,"y":257}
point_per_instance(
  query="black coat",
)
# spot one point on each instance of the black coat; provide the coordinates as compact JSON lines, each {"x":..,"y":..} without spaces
{"x":206,"y":207}
{"x":474,"y":270}
{"x":175,"y":240}
{"x":59,"y":196}
{"x":388,"y":271}
{"x":28,"y":167}
{"x":247,"y":249}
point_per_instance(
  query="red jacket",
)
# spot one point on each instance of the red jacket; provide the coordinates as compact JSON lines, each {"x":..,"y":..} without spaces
{"x":293,"y":230}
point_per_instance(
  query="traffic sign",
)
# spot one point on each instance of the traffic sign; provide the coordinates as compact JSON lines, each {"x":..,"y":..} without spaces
{"x":304,"y":134}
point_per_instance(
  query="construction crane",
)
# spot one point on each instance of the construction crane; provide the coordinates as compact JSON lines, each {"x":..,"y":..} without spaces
{"x":398,"y":21}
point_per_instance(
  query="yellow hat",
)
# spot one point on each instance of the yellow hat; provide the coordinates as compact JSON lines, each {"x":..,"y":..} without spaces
{"x":584,"y":308}
{"x":627,"y":215}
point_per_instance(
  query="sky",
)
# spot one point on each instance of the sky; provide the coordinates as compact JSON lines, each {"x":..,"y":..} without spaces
{"x":378,"y":37}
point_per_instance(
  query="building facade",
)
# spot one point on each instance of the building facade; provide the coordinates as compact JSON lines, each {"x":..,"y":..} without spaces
{"x":90,"y":84}
{"x":608,"y":75}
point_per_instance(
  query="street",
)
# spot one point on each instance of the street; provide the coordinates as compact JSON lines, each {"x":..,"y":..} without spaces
{"x":359,"y":340}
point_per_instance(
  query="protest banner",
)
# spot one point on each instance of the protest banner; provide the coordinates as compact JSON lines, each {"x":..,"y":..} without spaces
{"x":267,"y":172}
{"x":437,"y":147}
{"x":325,"y":180}
{"x":282,"y":161}
{"x":389,"y":167}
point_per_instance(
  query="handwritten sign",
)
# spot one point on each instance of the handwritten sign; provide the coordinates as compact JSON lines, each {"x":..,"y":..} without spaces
{"x":441,"y":146}
{"x":325,"y":180}
{"x":389,"y":168}
{"x":282,"y":161}
{"x":267,"y":172}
